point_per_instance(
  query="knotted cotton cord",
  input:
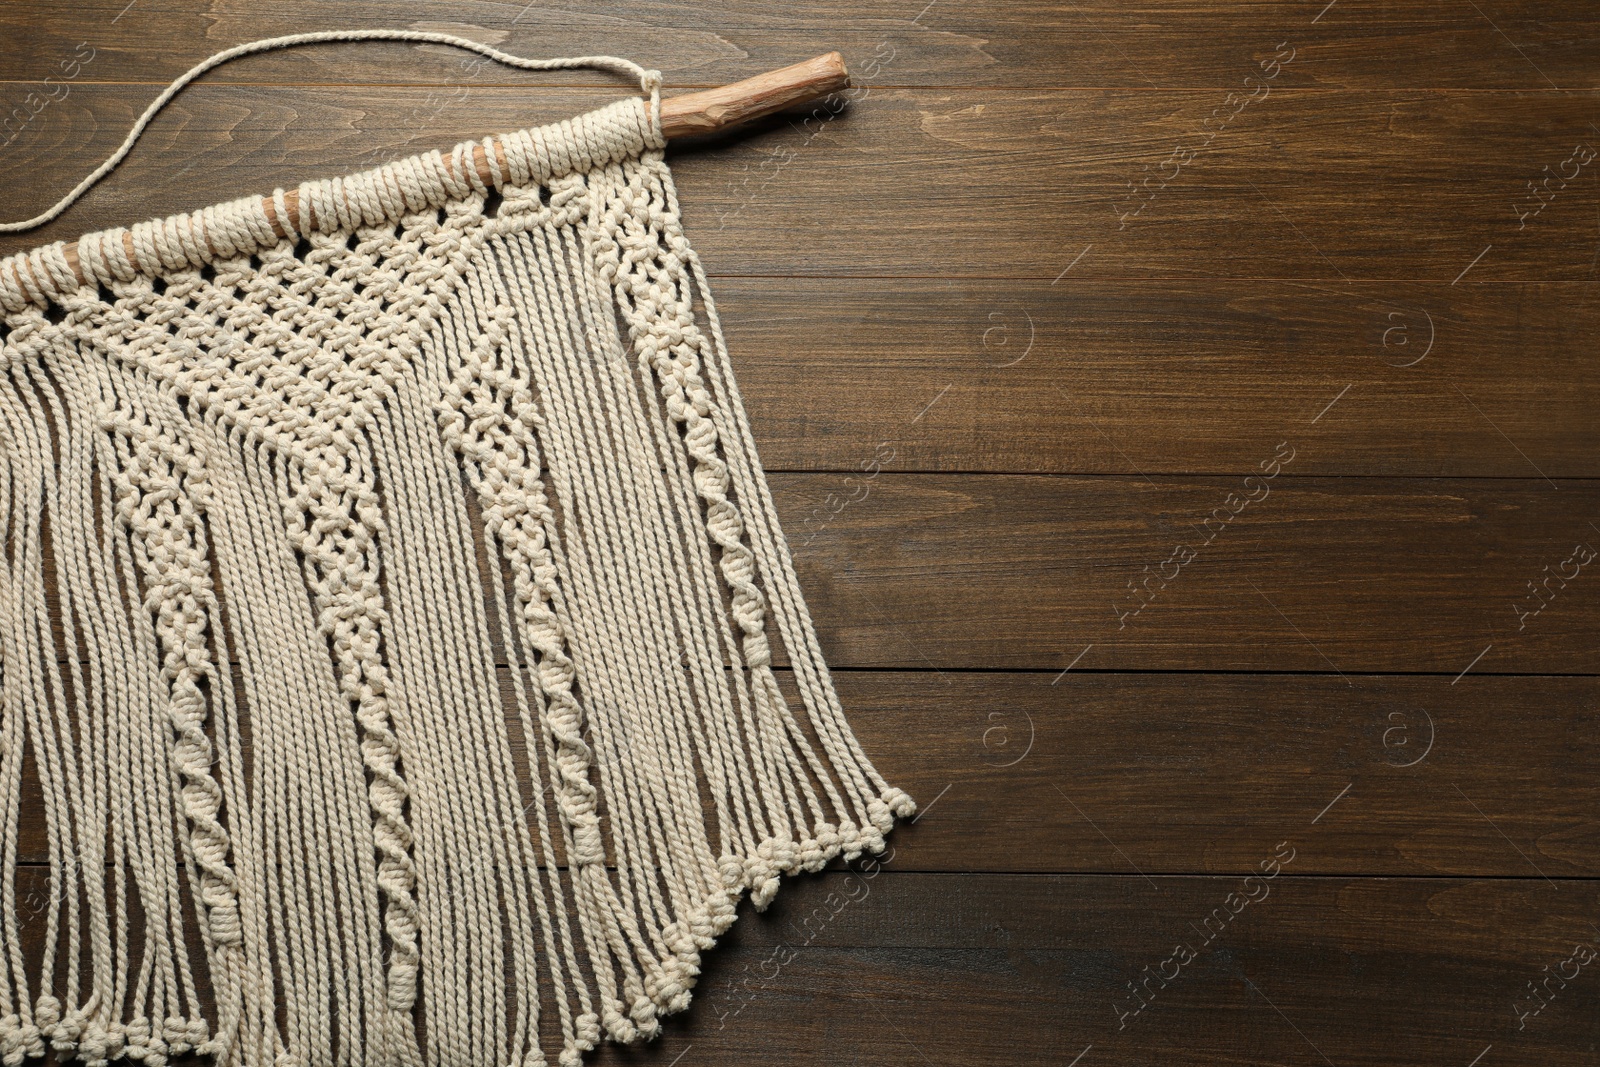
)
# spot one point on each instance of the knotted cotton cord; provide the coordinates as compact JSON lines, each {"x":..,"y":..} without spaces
{"x":313,"y":541}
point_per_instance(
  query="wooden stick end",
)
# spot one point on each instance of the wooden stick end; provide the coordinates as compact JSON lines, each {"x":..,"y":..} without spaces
{"x":753,"y":98}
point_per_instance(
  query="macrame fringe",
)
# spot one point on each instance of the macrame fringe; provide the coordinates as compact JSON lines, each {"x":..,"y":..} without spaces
{"x":306,"y":540}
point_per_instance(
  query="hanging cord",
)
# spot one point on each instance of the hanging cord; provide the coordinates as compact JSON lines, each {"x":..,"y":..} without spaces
{"x":649,"y":81}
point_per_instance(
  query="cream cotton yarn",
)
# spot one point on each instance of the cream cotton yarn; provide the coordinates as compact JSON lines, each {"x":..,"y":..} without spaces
{"x":309,"y":538}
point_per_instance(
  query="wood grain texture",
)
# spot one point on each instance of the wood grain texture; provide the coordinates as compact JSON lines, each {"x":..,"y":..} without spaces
{"x":1331,"y":187}
{"x":1012,"y":327}
{"x":1318,"y":574}
{"x":1154,"y":377}
{"x":1510,"y":44}
{"x":884,"y":967}
{"x":1015,"y":969}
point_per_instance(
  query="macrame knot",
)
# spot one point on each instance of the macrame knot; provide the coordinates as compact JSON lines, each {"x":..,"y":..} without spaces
{"x":47,"y":1012}
{"x":721,"y":910}
{"x":776,"y":856}
{"x":899,"y":802}
{"x":18,"y":1040}
{"x":588,"y":848}
{"x":757,"y":650}
{"x":812,"y":856}
{"x":880,"y":814}
{"x":33,"y":1040}
{"x":587,"y":1030}
{"x":69,"y":1031}
{"x":643,"y":1012}
{"x":224,"y":921}
{"x":185,"y":1035}
{"x":763,"y":882}
{"x":785,"y":855}
{"x":676,"y":937}
{"x":30,"y":336}
{"x":141,"y":1048}
{"x":667,"y":991}
{"x":521,"y":200}
{"x":136,"y":1032}
{"x":99,"y":1043}
{"x":851,"y":844}
{"x":619,"y":1027}
{"x":155,"y":1053}
{"x":699,"y":932}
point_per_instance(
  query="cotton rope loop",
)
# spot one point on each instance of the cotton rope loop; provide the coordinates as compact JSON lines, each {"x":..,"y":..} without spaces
{"x":310,"y":541}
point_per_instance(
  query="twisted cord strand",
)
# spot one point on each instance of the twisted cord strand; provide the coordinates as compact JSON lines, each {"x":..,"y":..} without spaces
{"x":649,"y":81}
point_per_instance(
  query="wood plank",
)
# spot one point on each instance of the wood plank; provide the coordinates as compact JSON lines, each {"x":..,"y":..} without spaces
{"x":1166,"y":376}
{"x":891,"y":968}
{"x":1036,"y":970}
{"x":1324,"y":186}
{"x":1022,"y":43}
{"x":1319,"y":574}
{"x":1020,"y":182}
{"x":1118,"y":773}
{"x":1114,"y":773}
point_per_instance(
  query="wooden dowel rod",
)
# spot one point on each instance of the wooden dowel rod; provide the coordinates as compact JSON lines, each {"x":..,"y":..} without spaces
{"x":681,"y":116}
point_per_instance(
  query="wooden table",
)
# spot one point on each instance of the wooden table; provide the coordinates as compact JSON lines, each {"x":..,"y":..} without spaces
{"x":1227,"y":373}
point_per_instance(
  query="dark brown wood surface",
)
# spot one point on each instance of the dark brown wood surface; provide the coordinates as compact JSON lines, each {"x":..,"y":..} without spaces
{"x":1072,"y":287}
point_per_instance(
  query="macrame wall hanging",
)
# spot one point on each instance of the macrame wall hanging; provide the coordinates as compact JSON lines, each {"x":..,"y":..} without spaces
{"x":323,"y":509}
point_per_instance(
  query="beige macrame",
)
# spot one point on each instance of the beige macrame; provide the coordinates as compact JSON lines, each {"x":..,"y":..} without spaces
{"x":334,"y":528}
